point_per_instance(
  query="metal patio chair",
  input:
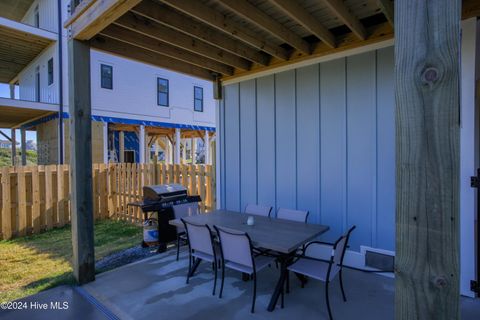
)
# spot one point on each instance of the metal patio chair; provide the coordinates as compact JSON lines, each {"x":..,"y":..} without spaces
{"x":292,"y":215}
{"x":201,"y":246}
{"x":237,"y":253}
{"x":182,"y":211}
{"x":258,"y":210}
{"x":312,"y":265}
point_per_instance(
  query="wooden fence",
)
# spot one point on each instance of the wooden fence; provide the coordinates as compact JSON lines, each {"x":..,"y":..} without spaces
{"x":37,"y":198}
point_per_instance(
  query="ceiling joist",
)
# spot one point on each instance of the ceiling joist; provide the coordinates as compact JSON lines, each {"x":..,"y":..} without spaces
{"x":387,"y":8}
{"x":303,"y":17}
{"x":264,"y":21}
{"x":205,"y":14}
{"x":139,"y":40}
{"x":146,"y":56}
{"x":342,"y":12}
{"x":160,"y":32}
{"x":172,"y":18}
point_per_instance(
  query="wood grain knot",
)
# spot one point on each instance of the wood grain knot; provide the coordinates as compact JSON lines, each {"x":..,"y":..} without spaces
{"x":440,"y":282}
{"x":430,"y":75}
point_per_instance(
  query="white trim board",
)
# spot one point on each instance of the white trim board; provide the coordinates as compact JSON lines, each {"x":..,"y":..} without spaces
{"x":303,"y":63}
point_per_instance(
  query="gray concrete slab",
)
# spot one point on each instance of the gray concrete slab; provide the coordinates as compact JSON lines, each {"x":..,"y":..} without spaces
{"x":156,"y":288}
{"x":63,"y":302}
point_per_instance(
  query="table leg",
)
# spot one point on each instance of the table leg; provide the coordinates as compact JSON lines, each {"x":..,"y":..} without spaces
{"x":280,"y":283}
{"x":195,"y":266}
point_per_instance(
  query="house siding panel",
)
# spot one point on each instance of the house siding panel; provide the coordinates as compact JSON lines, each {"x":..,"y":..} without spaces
{"x":232,"y":148}
{"x":324,"y":142}
{"x":266,"y":141}
{"x":248,"y":153}
{"x":285,"y":139}
{"x":308,"y":142}
{"x":333,"y":139}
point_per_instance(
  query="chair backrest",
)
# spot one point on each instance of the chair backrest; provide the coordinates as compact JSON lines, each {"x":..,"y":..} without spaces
{"x":199,"y":237}
{"x":236,"y":246}
{"x":293,"y":215}
{"x":185,"y":210}
{"x":258,"y":209}
{"x":317,"y":249}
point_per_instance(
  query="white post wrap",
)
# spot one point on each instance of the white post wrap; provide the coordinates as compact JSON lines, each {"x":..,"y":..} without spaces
{"x":142,"y":150}
{"x":177,"y":146}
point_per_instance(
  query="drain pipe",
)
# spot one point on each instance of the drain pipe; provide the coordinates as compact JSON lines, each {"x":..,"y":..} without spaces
{"x":60,"y":84}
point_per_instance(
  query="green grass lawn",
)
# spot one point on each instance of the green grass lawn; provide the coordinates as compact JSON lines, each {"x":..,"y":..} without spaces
{"x":35,"y":263}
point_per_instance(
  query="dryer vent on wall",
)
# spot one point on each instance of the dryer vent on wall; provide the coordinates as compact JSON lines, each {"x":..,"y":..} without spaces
{"x":379,"y":261}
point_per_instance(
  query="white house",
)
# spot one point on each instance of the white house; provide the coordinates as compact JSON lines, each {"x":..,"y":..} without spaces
{"x":136,"y":106}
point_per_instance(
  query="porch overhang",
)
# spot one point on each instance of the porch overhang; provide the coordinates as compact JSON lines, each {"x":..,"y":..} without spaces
{"x":15,"y":113}
{"x":20,"y":44}
{"x":14,"y":9}
{"x":229,"y":39}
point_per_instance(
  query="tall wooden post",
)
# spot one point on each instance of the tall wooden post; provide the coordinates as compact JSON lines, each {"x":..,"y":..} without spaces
{"x":427,"y":38}
{"x":23,"y":146}
{"x":81,"y":161}
{"x":14,"y":148}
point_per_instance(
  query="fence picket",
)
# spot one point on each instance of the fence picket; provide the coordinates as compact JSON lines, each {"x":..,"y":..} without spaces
{"x":36,"y":198}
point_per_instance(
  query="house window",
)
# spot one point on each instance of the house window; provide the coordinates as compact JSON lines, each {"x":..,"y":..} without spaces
{"x":107,"y":76}
{"x":198,"y":99}
{"x":162,"y":92}
{"x":50,"y":71}
{"x":37,"y":84}
{"x":36,"y":17}
{"x":129,"y":156}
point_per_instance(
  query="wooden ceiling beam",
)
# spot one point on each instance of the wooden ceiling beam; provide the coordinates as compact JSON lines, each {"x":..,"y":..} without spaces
{"x":126,"y":50}
{"x":140,"y":40}
{"x":378,"y":33}
{"x":179,"y":21}
{"x":342,"y":12}
{"x":303,"y":17}
{"x":98,"y":16}
{"x":387,"y":8}
{"x":160,"y":32}
{"x":470,"y":9}
{"x":202,"y":12}
{"x":264,"y":21}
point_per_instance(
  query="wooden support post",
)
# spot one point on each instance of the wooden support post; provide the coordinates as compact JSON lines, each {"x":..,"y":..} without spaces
{"x":83,"y":261}
{"x":24,"y":146}
{"x":14,"y":148}
{"x":193,"y":152}
{"x":206,"y":148}
{"x":105,"y":142}
{"x":142,"y":147}
{"x":176,"y":157}
{"x":12,"y":91}
{"x":427,"y":159}
{"x":121,"y":147}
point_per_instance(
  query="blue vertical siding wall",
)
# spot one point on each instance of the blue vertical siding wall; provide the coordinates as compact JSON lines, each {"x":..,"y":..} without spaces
{"x":318,"y":138}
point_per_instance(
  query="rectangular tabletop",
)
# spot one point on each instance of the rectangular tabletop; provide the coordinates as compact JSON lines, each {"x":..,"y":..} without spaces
{"x":283,"y":236}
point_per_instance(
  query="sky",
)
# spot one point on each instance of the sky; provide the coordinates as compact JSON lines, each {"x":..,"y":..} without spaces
{"x":5,"y":93}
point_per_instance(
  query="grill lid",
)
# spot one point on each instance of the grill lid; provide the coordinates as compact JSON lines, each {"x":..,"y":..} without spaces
{"x":164,"y":192}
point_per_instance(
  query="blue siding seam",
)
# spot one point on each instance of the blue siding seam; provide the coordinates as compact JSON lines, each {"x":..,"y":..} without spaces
{"x":374,"y":233}
{"x":296,"y":140}
{"x":256,"y":143}
{"x":239,"y":149}
{"x":345,"y":214}
{"x":275,"y":135}
{"x":319,"y":216}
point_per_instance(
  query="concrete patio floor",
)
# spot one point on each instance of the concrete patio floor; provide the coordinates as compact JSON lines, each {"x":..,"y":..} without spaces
{"x":155,"y":288}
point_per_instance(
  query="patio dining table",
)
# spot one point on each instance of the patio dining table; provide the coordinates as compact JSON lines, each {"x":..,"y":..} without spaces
{"x":282,"y":237}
